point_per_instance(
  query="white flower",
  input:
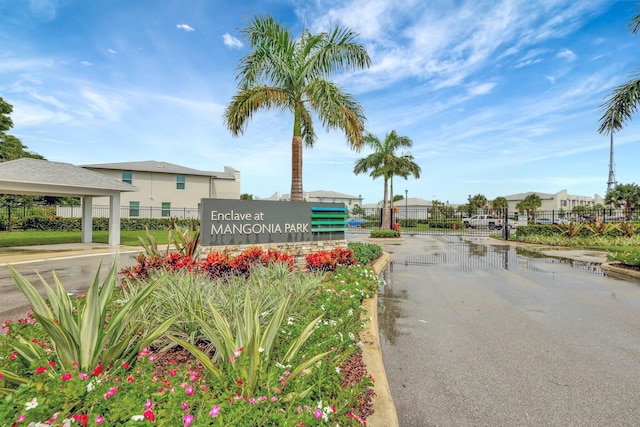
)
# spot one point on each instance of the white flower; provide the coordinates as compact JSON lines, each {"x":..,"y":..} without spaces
{"x":290,"y":320}
{"x":137,"y":418}
{"x":32,"y":404}
{"x":260,"y":349}
{"x":337,"y":369}
{"x":350,"y":312}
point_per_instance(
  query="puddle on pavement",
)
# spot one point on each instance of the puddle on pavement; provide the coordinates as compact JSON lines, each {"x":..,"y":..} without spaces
{"x":468,"y":256}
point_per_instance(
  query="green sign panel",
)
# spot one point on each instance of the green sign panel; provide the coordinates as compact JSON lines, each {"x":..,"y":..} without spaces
{"x":238,"y":222}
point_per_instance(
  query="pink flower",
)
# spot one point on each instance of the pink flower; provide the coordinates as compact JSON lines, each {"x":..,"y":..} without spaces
{"x":215,"y":410}
{"x":83,"y":376}
{"x":21,"y":418}
{"x":41,"y":369}
{"x":13,"y":355}
{"x":148,"y":405}
{"x":65,"y":377}
{"x":317,"y":413}
{"x":252,"y":400}
{"x":152,"y":358}
{"x":185,"y":406}
{"x":99,"y":419}
{"x":188,"y":419}
{"x":172,"y":373}
{"x":189,"y":390}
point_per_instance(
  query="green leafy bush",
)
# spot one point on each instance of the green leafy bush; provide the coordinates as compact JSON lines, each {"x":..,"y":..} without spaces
{"x":365,"y":253}
{"x":630,"y":257}
{"x":383,"y":234}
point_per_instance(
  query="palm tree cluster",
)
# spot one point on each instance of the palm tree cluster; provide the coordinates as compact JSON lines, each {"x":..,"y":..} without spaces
{"x":385,"y":163}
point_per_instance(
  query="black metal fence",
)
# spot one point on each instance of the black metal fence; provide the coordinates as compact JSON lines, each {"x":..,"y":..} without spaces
{"x":439,"y":221}
{"x":405,"y":219}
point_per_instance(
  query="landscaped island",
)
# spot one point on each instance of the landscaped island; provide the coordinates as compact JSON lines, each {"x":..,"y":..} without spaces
{"x":180,"y":341}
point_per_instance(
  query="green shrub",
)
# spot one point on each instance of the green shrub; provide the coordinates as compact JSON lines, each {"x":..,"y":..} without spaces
{"x":408,"y":223}
{"x":630,"y":257}
{"x":365,"y":252}
{"x":384,"y":234}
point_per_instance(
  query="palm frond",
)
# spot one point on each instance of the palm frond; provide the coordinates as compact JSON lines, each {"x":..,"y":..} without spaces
{"x":621,"y":106}
{"x":248,"y":101}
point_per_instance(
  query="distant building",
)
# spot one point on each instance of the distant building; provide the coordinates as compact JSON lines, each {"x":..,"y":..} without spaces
{"x":555,"y":202}
{"x":322,"y":196}
{"x":167,"y":187}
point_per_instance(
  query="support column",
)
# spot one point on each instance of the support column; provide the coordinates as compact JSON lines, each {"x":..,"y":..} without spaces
{"x":87,"y":219}
{"x":114,"y":220}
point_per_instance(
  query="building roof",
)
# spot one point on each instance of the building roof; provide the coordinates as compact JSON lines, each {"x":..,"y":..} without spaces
{"x":522,"y":196}
{"x":42,"y":177}
{"x":321,"y":194}
{"x":162,"y":167}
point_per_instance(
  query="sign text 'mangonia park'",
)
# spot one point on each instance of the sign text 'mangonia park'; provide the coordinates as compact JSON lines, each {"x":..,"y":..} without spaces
{"x":232,"y":222}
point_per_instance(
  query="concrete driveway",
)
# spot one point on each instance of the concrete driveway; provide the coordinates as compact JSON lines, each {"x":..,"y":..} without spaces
{"x":474,"y":333}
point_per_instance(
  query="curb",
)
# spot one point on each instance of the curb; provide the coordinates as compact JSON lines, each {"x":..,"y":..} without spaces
{"x":611,"y":267}
{"x":384,"y":414}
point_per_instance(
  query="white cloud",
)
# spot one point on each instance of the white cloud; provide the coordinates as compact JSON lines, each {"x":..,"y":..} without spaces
{"x":231,"y":41}
{"x":481,"y":89}
{"x":567,"y":54}
{"x":185,"y":27}
{"x":111,"y":51}
{"x":86,"y":63}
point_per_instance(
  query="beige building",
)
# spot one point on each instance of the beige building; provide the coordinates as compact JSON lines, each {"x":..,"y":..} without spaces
{"x":322,"y":196}
{"x":167,"y":189}
{"x":554,"y":202}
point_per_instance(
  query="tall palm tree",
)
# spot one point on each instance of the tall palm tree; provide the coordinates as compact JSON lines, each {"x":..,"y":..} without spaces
{"x":291,"y":74}
{"x":384,"y":163}
{"x":624,"y":100}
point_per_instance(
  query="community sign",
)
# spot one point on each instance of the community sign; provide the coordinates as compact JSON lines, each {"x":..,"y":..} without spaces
{"x":240,"y":222}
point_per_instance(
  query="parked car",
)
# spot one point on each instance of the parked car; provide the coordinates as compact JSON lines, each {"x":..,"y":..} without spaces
{"x":543,"y":221}
{"x":487,"y":221}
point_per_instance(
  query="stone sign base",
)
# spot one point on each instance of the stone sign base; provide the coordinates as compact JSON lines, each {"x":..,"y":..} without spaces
{"x":298,"y":250}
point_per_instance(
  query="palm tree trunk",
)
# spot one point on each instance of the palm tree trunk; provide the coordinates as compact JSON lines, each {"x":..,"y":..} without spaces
{"x":386,"y":220}
{"x":296,"y":158}
{"x":296,"y":169}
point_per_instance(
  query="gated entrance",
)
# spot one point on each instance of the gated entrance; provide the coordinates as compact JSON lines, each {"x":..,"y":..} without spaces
{"x":430,"y":221}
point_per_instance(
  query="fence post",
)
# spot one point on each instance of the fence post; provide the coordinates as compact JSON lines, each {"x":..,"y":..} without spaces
{"x":505,"y":228}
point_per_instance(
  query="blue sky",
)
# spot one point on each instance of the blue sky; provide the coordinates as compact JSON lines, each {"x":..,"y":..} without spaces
{"x":499,"y":97}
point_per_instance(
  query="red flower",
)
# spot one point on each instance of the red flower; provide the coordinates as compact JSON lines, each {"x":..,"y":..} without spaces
{"x":83,"y":418}
{"x":240,"y":383}
{"x":41,"y":369}
{"x":148,"y":414}
{"x":97,"y":371}
{"x":125,"y":365}
{"x":65,"y":377}
{"x":52,"y":363}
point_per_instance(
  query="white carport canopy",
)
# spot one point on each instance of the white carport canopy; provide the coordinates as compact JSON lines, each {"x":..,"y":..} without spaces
{"x":43,"y":178}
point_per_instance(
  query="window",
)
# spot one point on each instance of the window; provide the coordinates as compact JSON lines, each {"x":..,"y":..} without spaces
{"x":134,"y":208}
{"x":180,"y":182}
{"x":127,"y":177}
{"x":166,"y":208}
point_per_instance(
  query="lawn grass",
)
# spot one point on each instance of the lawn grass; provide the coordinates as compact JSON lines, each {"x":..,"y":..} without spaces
{"x":32,"y":237}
